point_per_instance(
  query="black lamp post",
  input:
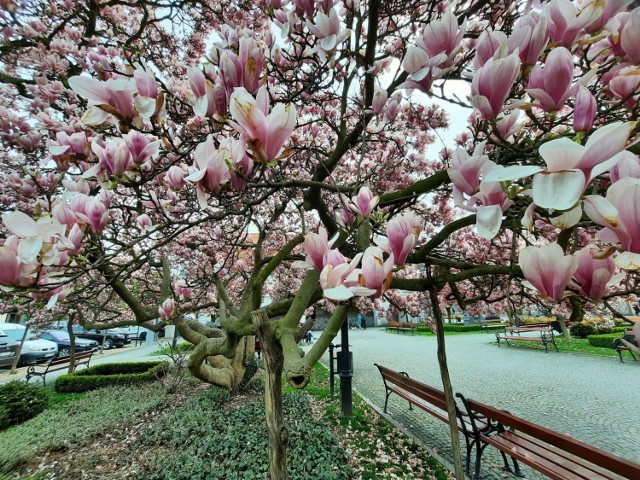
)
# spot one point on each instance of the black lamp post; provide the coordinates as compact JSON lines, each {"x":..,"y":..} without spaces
{"x":345,"y":371}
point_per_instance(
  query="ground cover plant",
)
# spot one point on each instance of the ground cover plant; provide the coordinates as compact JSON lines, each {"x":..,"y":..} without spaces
{"x":76,"y":421}
{"x":377,"y":449}
{"x":20,"y":401}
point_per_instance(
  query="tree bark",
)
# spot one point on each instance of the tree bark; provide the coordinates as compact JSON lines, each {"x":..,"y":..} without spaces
{"x":72,"y":345}
{"x":273,"y":363}
{"x":446,"y":385}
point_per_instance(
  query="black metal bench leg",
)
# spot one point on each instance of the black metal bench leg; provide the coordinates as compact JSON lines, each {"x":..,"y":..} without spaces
{"x":479,"y":449}
{"x":517,"y":471}
{"x":386,"y":400}
{"x":620,"y":355}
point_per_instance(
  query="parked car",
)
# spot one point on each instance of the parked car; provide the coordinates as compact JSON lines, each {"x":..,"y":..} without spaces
{"x":63,"y":340}
{"x":34,"y":350}
{"x":111,"y":339}
{"x":8,"y":349}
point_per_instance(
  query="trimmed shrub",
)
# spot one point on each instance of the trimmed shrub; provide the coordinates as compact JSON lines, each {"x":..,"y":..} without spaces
{"x":603,"y":341}
{"x":20,"y":401}
{"x":582,"y":330}
{"x":109,"y":374}
{"x":451,"y":327}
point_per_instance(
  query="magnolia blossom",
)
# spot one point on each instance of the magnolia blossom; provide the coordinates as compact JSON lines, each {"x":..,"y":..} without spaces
{"x":113,"y":97}
{"x":619,"y":214}
{"x":492,"y":83}
{"x":213,"y":170}
{"x":328,"y":30}
{"x":584,"y":111}
{"x":465,"y":171}
{"x":548,"y":269}
{"x":402,"y":233}
{"x":593,"y":274}
{"x":443,"y":36}
{"x":35,"y":238}
{"x":114,"y":159}
{"x":551,"y":86}
{"x":376,"y":273}
{"x":529,"y":38}
{"x":9,"y":266}
{"x":167,"y":309}
{"x":183,"y":290}
{"x":264,"y":132}
{"x":316,"y":246}
{"x":364,"y":203}
{"x":340,"y":281}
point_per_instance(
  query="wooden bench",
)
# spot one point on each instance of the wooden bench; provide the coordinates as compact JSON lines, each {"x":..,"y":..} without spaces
{"x":487,"y":324}
{"x":555,"y":455}
{"x":630,"y":345}
{"x":58,"y":363}
{"x":543,"y":334}
{"x":402,"y":326}
{"x":429,"y":399}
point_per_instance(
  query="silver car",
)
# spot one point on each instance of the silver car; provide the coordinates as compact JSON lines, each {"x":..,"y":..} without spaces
{"x":33,"y":350}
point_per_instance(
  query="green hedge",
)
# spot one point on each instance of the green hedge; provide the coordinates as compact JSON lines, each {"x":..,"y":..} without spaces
{"x":20,"y":401}
{"x":604,"y":340}
{"x":109,"y":374}
{"x":451,"y":327}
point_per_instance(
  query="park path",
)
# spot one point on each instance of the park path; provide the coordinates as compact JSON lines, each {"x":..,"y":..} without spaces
{"x":591,"y":398}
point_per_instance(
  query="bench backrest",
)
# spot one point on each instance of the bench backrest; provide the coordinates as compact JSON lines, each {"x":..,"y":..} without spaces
{"x":55,"y":361}
{"x":580,"y":449}
{"x":424,"y":392}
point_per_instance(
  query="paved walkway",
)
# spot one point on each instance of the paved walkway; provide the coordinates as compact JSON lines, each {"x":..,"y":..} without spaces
{"x":593,"y":399}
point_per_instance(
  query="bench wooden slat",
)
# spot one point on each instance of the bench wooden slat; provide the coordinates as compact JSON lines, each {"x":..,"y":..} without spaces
{"x":584,"y":452}
{"x":551,"y":462}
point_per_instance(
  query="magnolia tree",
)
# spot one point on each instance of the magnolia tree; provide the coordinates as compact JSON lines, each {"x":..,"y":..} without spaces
{"x":169,"y":158}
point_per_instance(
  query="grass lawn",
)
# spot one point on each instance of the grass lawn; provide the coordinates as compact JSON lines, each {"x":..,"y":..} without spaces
{"x":576,"y":345}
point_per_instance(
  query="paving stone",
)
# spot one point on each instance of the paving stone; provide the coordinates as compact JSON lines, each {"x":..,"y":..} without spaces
{"x":591,"y":398}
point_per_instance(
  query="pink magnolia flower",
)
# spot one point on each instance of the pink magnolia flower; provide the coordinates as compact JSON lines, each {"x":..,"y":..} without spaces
{"x":551,"y":86}
{"x":487,"y":45}
{"x":144,"y":222}
{"x":630,"y":37}
{"x":211,"y":97}
{"x":379,"y":101}
{"x":117,"y":94}
{"x":628,"y":166}
{"x":584,"y":110}
{"x":304,"y":7}
{"x":339,"y":281}
{"x":114,"y":159}
{"x":141,"y":146}
{"x":183,"y":290}
{"x":422,"y":69}
{"x":32,"y":237}
{"x":624,"y":85}
{"x":95,"y":214}
{"x":492,"y":83}
{"x":241,"y":164}
{"x":175,"y":177}
{"x":213,"y":170}
{"x":611,"y":8}
{"x":376,"y":274}
{"x":548,"y":269}
{"x":364,"y":203}
{"x":571,"y":166}
{"x":465,"y":170}
{"x":316,"y":246}
{"x":619,"y":214}
{"x":64,"y":215}
{"x":167,"y":309}
{"x":530,"y":38}
{"x":328,"y":30}
{"x":566,"y":24}
{"x":443,"y":36}
{"x":264,"y":132}
{"x":593,"y":274}
{"x":402,"y":233}
{"x":9,"y":266}
{"x":251,"y":57}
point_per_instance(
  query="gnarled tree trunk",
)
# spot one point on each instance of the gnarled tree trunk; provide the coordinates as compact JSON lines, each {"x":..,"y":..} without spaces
{"x":273,"y":362}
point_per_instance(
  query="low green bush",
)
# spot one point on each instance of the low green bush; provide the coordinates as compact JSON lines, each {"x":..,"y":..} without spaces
{"x":20,"y":401}
{"x":582,"y":330}
{"x":200,"y":441}
{"x":63,"y":426}
{"x":452,"y":327}
{"x":109,"y":374}
{"x":604,"y":340}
